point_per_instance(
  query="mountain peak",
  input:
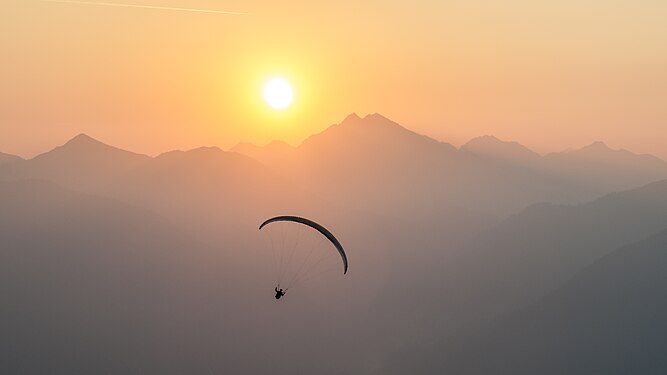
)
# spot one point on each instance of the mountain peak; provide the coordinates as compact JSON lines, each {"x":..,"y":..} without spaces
{"x":352,"y":117}
{"x":369,"y":133}
{"x":483,"y":140}
{"x":87,"y":147}
{"x":206,"y":149}
{"x":488,"y":145}
{"x":84,"y":144}
{"x":597,"y":146}
{"x":82,"y":139}
{"x":377,"y":117}
{"x":81,"y":163}
{"x":370,"y":121}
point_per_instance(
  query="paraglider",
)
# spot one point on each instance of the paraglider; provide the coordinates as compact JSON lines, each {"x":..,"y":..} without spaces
{"x":323,"y":245}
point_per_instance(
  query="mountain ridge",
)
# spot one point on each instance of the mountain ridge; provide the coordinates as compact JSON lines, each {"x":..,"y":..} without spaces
{"x":80,"y":163}
{"x":592,"y":324}
{"x":385,"y":167}
{"x":9,"y":158}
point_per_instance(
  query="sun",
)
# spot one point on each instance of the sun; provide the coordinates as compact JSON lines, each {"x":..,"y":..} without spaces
{"x":278,"y":93}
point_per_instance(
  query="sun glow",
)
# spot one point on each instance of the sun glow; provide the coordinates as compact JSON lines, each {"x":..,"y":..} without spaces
{"x":278,"y":93}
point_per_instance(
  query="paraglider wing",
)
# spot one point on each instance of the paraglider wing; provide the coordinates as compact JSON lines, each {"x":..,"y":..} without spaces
{"x":324,"y":231}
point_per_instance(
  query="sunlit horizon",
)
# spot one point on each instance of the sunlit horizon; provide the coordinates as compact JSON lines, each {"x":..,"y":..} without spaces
{"x":549,"y":76}
{"x":333,"y":187}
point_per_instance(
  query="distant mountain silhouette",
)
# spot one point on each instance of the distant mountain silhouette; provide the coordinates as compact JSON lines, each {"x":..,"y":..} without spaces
{"x":533,"y":254}
{"x":373,"y":130}
{"x":537,"y":250}
{"x":274,"y":153}
{"x":597,"y":168}
{"x":382,"y":165}
{"x":493,"y":148}
{"x":98,"y":241}
{"x":204,"y":187}
{"x":610,"y":319}
{"x":8,"y":158}
{"x":81,"y":163}
{"x":589,"y":172}
{"x":376,"y":165}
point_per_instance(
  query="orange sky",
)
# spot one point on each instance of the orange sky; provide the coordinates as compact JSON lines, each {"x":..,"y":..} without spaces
{"x":549,"y":74}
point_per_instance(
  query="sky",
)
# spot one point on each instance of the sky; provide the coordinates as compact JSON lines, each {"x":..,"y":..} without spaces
{"x":549,"y":74}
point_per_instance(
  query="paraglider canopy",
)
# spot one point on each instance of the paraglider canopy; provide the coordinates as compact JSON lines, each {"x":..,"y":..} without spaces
{"x":324,"y":231}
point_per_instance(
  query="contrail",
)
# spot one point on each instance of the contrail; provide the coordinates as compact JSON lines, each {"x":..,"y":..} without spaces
{"x":144,"y":6}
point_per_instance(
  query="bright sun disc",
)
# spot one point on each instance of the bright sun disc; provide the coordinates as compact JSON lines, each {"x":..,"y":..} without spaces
{"x":278,"y":93}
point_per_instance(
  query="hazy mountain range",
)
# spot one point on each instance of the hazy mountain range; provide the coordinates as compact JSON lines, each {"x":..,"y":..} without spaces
{"x":374,"y":164}
{"x":118,"y":262}
{"x":370,"y":159}
{"x":607,"y":319}
{"x":8,"y":159}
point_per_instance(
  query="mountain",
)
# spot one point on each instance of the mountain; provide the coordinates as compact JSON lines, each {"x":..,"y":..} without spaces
{"x":597,"y":168}
{"x":274,"y":153}
{"x":537,"y":250}
{"x":8,"y":158}
{"x":510,"y":266}
{"x":386,"y":168}
{"x":206,"y":189}
{"x":91,"y":285}
{"x":534,"y":254}
{"x":81,"y":164}
{"x":508,"y":152}
{"x":608,"y":320}
{"x":588,"y":173}
{"x":374,"y":164}
{"x":373,"y":130}
{"x":170,"y":245}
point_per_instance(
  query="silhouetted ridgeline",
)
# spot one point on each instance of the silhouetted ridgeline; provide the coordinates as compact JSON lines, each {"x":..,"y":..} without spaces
{"x":461,"y":260}
{"x":8,"y":158}
{"x":606,"y":320}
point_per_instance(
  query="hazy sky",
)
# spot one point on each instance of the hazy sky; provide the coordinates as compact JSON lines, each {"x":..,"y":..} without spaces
{"x":549,"y":74}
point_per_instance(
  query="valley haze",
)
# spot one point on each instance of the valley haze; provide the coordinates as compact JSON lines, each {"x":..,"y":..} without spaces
{"x":487,"y":258}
